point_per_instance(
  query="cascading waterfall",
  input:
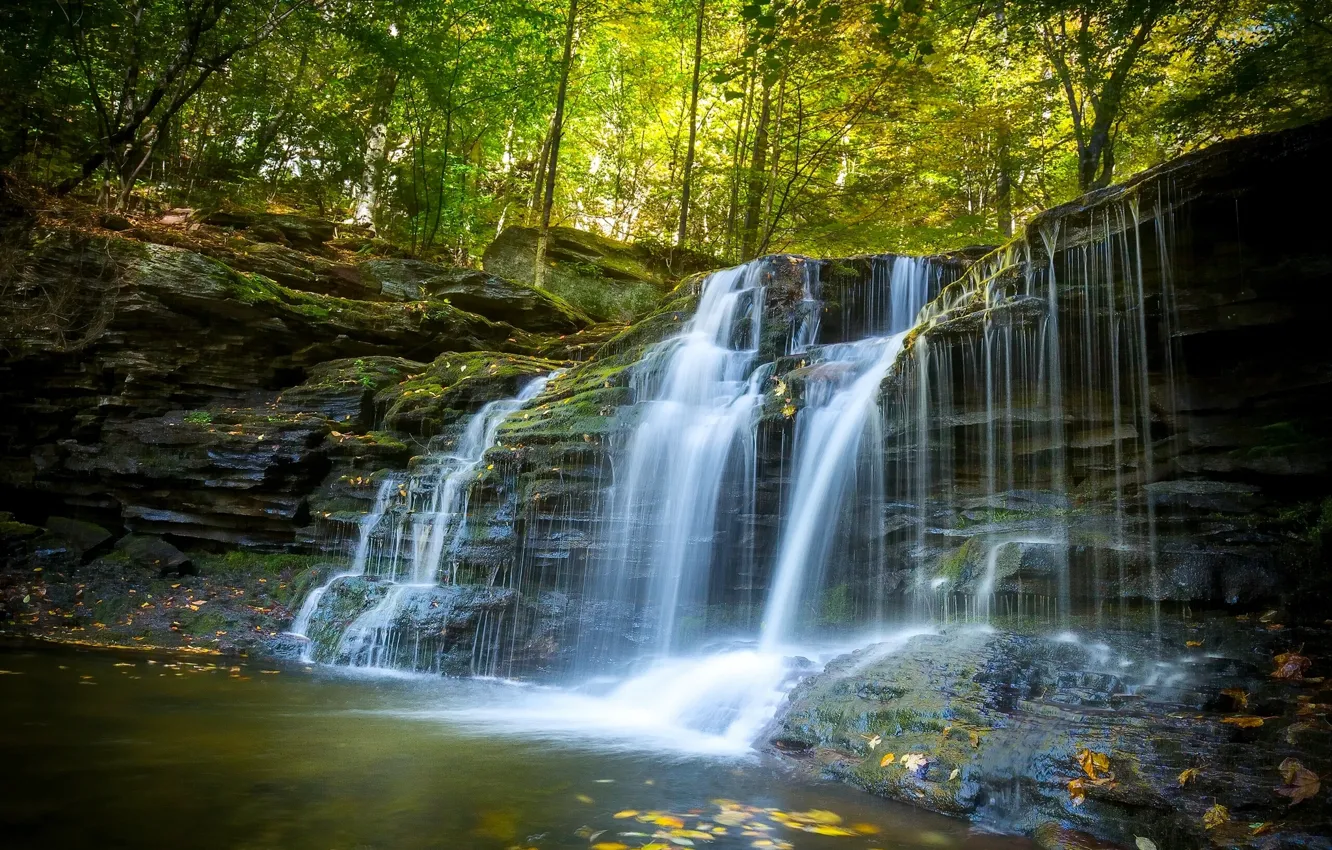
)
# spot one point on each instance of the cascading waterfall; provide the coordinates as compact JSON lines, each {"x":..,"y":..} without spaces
{"x":828,"y":439}
{"x":915,"y":467}
{"x":699,"y":394}
{"x":404,"y":543}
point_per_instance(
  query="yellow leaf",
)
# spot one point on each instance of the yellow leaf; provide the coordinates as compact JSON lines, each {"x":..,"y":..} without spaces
{"x":1093,"y":763}
{"x":1193,"y":643}
{"x":1188,"y":776}
{"x":1216,"y":816}
{"x":888,"y":758}
{"x":865,"y":828}
{"x":825,"y":829}
{"x":1077,"y":791}
{"x":975,"y":739}
{"x":627,"y":813}
{"x":668,"y":821}
{"x":1243,"y":721}
{"x":610,"y":845}
{"x":583,"y":798}
{"x":956,"y":772}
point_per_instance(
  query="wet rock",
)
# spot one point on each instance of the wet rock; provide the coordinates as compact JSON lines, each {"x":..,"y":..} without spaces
{"x":86,"y":538}
{"x":1004,"y":721}
{"x":114,"y":221}
{"x":154,"y":553}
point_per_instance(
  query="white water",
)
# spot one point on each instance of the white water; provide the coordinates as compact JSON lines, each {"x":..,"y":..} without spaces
{"x":434,"y":531}
{"x":699,"y":396}
{"x":828,"y":439}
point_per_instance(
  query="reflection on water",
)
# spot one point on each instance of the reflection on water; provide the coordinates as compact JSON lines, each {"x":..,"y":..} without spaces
{"x":142,"y":751}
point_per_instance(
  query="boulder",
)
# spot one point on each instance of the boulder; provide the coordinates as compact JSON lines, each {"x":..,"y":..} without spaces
{"x":84,"y":538}
{"x":308,"y":234}
{"x":150,"y":552}
{"x":503,"y":300}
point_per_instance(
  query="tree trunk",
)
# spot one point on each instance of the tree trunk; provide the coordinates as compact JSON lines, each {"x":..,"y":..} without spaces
{"x":758,"y":165}
{"x":556,"y":130}
{"x":686,"y":186}
{"x":1004,"y":189}
{"x":376,"y":149}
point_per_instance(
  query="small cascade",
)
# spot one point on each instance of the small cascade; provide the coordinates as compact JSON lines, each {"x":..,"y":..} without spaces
{"x":403,"y":550}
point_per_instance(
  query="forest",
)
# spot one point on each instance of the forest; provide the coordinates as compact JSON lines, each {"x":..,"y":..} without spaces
{"x":734,"y":128}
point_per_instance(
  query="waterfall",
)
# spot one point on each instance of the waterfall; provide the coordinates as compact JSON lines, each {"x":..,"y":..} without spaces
{"x":828,"y":440}
{"x":404,"y":543}
{"x":698,"y":395}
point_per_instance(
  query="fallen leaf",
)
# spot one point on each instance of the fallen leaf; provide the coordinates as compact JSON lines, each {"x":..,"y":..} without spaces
{"x":975,"y":739}
{"x":1290,"y":665}
{"x":1193,"y":644}
{"x":1077,"y":791}
{"x":914,"y":761}
{"x":872,"y":740}
{"x":1144,"y":843}
{"x":1301,"y":782}
{"x":1093,"y":763}
{"x":583,"y":798}
{"x":1243,"y":721}
{"x":1188,"y":776}
{"x":1216,"y":816}
{"x":667,"y":821}
{"x":610,"y":845}
{"x":888,"y":758}
{"x":956,"y":772}
{"x":627,"y":813}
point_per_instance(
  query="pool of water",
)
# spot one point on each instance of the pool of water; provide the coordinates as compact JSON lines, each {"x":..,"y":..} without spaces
{"x":108,"y":750}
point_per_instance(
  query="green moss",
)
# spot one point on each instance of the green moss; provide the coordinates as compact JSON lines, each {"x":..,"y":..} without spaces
{"x":199,"y":417}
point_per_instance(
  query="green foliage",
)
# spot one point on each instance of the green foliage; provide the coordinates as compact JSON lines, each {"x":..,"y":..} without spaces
{"x":824,"y":126}
{"x":199,"y":417}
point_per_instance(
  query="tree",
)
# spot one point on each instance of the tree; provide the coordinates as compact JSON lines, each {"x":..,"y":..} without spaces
{"x":556,"y":132}
{"x":143,"y":61}
{"x":685,"y":184}
{"x":1097,"y":49}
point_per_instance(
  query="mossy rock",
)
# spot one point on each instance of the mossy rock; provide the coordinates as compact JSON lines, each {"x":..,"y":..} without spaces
{"x":453,"y":386}
{"x":606,"y":279}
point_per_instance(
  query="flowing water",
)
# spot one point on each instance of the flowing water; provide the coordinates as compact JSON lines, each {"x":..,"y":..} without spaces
{"x":772,"y":490}
{"x":157,"y":751}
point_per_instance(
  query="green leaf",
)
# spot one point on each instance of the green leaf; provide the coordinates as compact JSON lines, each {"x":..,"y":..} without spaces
{"x":830,"y":13}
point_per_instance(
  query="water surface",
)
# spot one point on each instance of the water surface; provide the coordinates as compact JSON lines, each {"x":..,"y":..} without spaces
{"x":108,"y":750}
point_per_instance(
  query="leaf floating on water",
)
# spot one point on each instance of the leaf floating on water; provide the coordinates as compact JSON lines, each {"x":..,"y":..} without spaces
{"x":1193,"y":644}
{"x":610,"y":845}
{"x":888,"y":758}
{"x":627,"y":813}
{"x":1144,"y":843}
{"x":1188,"y":776}
{"x":826,"y":829}
{"x":667,"y":821}
{"x":583,"y":798}
{"x":1291,"y":665}
{"x":1243,"y":721}
{"x":866,"y":828}
{"x":1217,"y":815}
{"x":1301,"y":782}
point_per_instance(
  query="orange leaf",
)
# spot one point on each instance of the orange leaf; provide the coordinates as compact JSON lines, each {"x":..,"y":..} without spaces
{"x":1189,"y":775}
{"x":1239,"y":695}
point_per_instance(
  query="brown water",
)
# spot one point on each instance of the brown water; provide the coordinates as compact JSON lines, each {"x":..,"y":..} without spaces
{"x":108,"y":750}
